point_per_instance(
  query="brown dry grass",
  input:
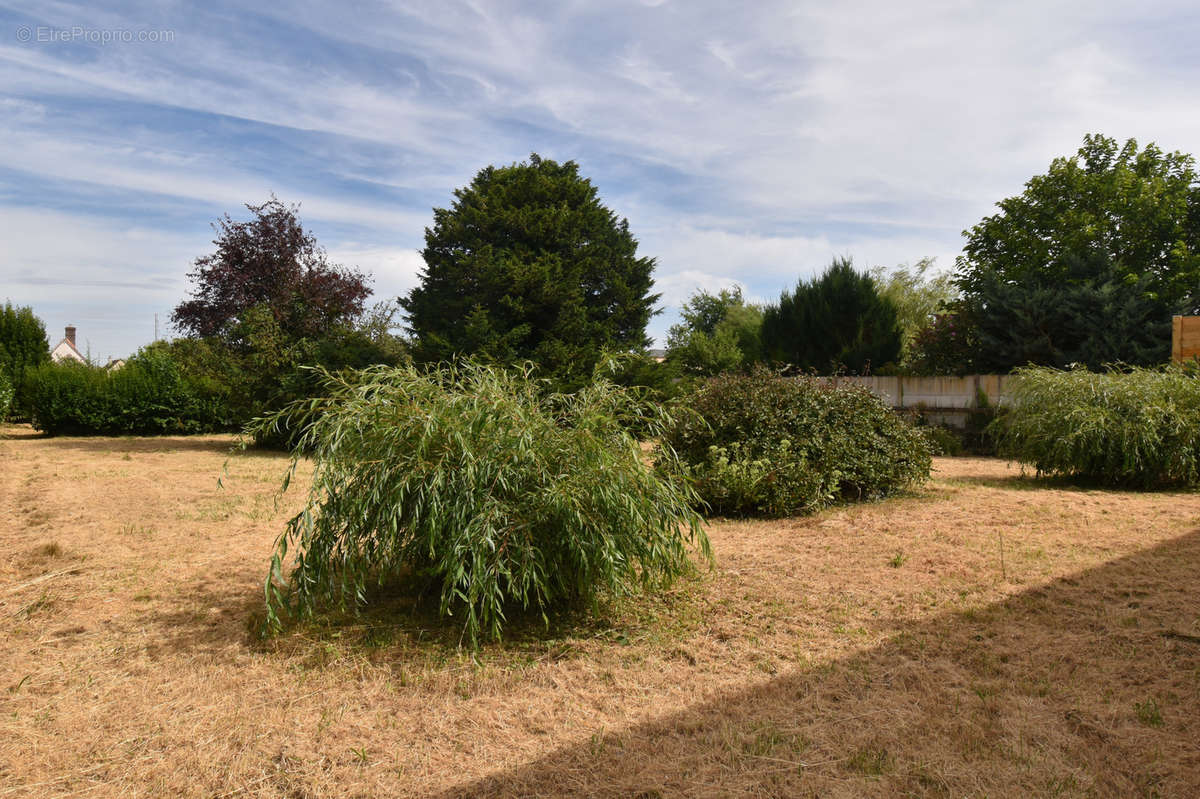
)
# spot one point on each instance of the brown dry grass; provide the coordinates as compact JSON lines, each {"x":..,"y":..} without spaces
{"x":878,"y":650}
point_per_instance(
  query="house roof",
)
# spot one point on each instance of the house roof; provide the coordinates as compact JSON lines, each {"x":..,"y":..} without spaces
{"x":65,"y":350}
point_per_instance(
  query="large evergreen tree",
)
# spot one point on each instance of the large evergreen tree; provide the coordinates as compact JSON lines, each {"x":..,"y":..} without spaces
{"x":527,"y":264}
{"x":835,"y":321}
{"x":1084,"y":310}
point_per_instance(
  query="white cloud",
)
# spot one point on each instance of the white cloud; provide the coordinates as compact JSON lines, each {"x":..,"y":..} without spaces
{"x":747,"y":144}
{"x":394,"y":270}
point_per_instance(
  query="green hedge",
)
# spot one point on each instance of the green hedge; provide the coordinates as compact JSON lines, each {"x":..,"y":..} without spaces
{"x":1133,"y":428}
{"x":147,"y":396}
{"x":767,"y":445}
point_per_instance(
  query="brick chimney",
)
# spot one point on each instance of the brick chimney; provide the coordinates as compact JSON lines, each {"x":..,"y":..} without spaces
{"x":71,"y":334}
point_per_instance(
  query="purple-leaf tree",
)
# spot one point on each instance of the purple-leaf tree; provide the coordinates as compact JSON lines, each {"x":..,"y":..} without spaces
{"x":272,"y":262}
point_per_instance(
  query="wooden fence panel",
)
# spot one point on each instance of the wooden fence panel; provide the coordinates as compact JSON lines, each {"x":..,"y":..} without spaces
{"x":1185,"y":338}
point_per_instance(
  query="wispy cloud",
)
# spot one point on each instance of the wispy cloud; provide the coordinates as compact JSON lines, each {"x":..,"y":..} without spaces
{"x":746,"y":144}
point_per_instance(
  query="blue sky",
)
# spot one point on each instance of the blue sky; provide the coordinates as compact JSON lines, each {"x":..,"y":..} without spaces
{"x":745,"y":142}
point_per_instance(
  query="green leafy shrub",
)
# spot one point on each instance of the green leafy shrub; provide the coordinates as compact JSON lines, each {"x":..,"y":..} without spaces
{"x":6,"y":395}
{"x":767,"y":445}
{"x":477,"y":481}
{"x":262,"y":370}
{"x":943,"y":440}
{"x":1137,"y":428}
{"x":147,"y":396}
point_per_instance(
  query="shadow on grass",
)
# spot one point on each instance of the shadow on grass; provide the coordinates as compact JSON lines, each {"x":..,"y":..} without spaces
{"x":19,"y":432}
{"x":403,"y":618}
{"x":134,"y":445}
{"x":1029,"y":480}
{"x":1087,"y":686}
{"x":401,"y":622}
{"x":206,"y":617}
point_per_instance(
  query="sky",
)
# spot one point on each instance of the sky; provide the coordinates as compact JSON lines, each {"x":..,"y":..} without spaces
{"x":746,"y":143}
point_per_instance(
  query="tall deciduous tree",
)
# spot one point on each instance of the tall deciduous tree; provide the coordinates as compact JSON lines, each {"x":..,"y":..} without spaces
{"x":1139,"y":209}
{"x":527,"y":263}
{"x":835,"y":321}
{"x":272,"y":262}
{"x":719,"y":332}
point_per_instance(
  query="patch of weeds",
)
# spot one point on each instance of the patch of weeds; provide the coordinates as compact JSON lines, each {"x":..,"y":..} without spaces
{"x":137,"y":530}
{"x":929,"y":781}
{"x":213,"y":510}
{"x":379,"y":636}
{"x":898,"y":560}
{"x":766,"y":739}
{"x":43,"y":604}
{"x":1057,"y":786}
{"x":36,"y":518}
{"x":1149,"y":713}
{"x":50,"y":550}
{"x":360,"y":755}
{"x":319,"y":656}
{"x":1039,"y":687}
{"x":870,"y":761}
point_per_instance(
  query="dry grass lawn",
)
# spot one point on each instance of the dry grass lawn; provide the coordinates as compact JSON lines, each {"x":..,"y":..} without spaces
{"x":988,"y":636}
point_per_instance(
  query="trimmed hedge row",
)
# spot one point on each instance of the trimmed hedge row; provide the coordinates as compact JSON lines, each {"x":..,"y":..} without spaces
{"x":147,"y":396}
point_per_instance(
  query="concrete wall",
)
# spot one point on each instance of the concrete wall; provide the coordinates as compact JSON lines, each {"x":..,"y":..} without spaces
{"x":933,"y":392}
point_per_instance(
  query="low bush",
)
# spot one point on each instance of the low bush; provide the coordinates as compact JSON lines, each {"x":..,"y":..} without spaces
{"x":767,"y":445}
{"x":944,"y":440}
{"x":1135,"y":428}
{"x":147,"y":396}
{"x":477,"y":481}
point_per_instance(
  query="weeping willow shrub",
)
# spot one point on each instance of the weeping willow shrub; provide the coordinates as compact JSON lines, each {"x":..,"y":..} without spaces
{"x":479,"y":482}
{"x":1136,"y":428}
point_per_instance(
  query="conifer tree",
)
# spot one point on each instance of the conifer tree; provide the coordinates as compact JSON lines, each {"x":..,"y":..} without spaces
{"x":1083,"y":310}
{"x":528,"y":264}
{"x":837,"y":321}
